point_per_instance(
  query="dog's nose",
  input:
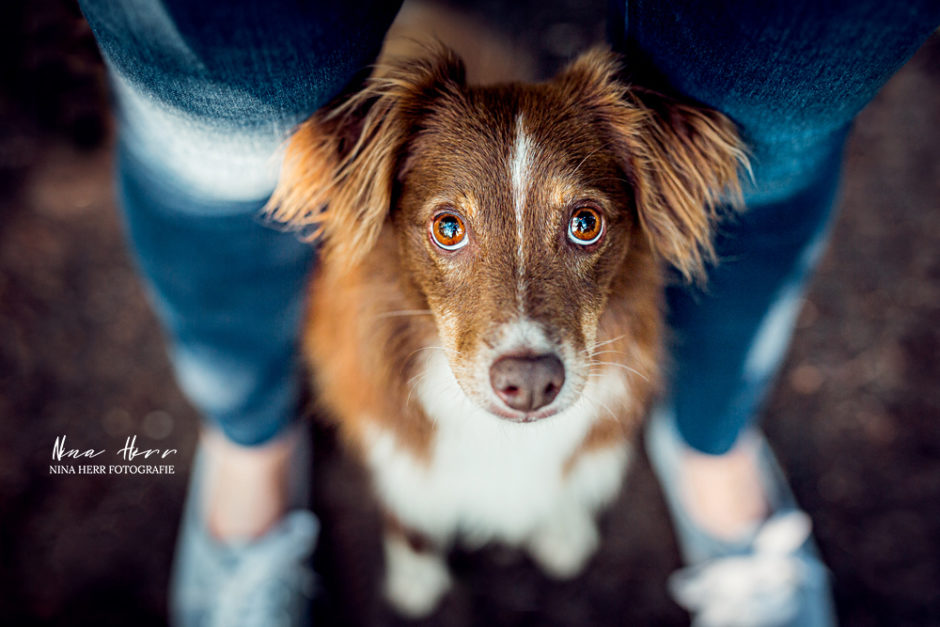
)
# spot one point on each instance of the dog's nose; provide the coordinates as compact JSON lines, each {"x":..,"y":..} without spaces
{"x":527,"y":383}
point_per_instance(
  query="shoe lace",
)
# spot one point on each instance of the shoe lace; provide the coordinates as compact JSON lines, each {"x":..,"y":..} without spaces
{"x":758,"y":589}
{"x":272,"y":582}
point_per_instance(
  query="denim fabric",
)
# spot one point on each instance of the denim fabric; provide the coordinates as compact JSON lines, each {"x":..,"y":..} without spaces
{"x":206,"y":93}
{"x":792,"y":74}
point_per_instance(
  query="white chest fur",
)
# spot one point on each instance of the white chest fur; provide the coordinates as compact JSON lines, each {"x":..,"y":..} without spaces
{"x":489,"y":479}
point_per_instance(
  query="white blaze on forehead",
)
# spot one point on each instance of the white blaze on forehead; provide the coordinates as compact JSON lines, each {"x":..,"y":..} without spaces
{"x":520,"y":168}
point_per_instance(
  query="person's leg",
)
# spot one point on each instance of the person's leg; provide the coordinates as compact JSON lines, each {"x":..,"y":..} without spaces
{"x":205,"y":94}
{"x":792,"y":75}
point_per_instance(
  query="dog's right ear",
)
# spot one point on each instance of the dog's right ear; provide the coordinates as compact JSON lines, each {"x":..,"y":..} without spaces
{"x":683,"y":160}
{"x":341,"y":165}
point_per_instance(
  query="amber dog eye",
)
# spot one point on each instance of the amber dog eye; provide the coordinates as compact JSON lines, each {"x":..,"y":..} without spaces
{"x":448,"y":231}
{"x":586,"y":226}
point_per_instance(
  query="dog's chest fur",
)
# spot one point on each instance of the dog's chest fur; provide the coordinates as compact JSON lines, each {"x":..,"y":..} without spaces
{"x":487,"y":479}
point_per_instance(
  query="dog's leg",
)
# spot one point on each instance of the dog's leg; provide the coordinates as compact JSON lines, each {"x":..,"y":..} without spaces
{"x":416,"y":574}
{"x":562,"y":545}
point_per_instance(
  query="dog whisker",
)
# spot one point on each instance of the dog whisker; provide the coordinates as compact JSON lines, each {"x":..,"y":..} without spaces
{"x":598,"y":404}
{"x":405,"y":312}
{"x":413,"y":384}
{"x":606,"y":342}
{"x":610,"y":352}
{"x":625,"y":367}
{"x":615,"y":179}
{"x":586,"y":157}
{"x":426,"y":348}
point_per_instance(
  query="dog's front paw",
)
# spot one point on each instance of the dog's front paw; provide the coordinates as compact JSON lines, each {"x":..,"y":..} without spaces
{"x":415,"y":581}
{"x":563,"y":546}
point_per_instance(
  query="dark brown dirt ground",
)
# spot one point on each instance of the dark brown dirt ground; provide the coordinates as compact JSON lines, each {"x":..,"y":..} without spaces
{"x":855,"y":417}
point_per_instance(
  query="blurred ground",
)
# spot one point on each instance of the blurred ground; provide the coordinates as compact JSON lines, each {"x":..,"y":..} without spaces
{"x":855,"y":417}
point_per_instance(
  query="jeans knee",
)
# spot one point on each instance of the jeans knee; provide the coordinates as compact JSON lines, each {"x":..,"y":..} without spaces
{"x":212,"y":160}
{"x":207,"y":94}
{"x":785,"y":164}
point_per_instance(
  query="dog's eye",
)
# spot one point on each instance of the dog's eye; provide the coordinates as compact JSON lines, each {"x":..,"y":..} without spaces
{"x":586,"y":226}
{"x":448,"y":231}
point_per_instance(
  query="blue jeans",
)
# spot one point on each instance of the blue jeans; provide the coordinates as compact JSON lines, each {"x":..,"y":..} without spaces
{"x":206,"y":93}
{"x":792,"y":74}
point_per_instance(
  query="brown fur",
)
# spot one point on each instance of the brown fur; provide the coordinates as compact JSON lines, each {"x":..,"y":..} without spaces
{"x":362,"y":170}
{"x":370,"y":171}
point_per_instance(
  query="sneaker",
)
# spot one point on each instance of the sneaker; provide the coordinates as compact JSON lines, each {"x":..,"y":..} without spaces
{"x":267,"y":582}
{"x":772,"y":578}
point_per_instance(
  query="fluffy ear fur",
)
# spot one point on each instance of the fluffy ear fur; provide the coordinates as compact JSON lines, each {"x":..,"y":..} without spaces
{"x":683,"y":160}
{"x":341,"y":165}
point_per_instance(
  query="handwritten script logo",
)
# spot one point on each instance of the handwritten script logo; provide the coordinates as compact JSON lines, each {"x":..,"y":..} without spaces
{"x":128,"y":453}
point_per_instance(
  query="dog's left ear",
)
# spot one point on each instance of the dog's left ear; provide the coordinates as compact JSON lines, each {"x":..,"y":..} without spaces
{"x":341,"y":165}
{"x":683,"y":160}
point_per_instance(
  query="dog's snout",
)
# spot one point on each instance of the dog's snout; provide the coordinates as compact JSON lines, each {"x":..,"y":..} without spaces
{"x":527,"y":383}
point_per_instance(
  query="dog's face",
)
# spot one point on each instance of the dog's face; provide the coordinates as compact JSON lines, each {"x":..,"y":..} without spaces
{"x":514,"y":219}
{"x":515,"y":208}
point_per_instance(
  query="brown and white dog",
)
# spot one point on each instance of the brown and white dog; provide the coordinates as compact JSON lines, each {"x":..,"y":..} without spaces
{"x":485,"y":321}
